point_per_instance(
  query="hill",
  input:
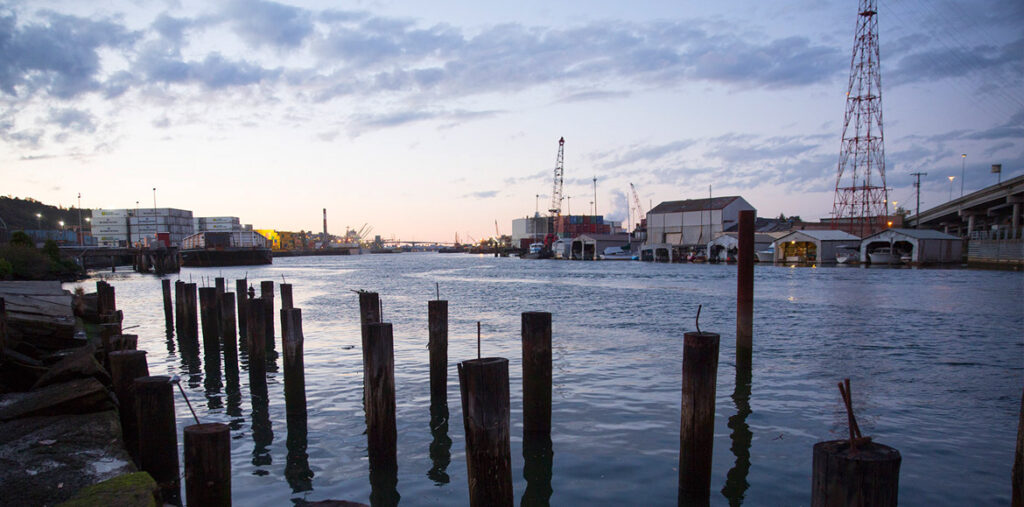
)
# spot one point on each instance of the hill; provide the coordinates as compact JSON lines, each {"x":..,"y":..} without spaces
{"x":20,"y":214}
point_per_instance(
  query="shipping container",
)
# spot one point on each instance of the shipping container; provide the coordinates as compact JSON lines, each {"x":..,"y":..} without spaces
{"x":109,"y":220}
{"x":109,"y":213}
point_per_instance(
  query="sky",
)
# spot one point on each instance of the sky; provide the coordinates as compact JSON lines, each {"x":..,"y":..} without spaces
{"x":427,"y":119}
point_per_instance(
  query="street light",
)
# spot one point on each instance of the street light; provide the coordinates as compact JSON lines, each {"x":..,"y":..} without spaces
{"x":39,"y":221}
{"x":963,"y":164}
{"x":951,"y":178}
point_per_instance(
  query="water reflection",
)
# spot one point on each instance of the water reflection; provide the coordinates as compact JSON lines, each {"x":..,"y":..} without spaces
{"x":538,"y":457}
{"x":190,"y":360}
{"x":383,"y":484}
{"x":262,"y":431}
{"x":170,"y":340}
{"x":212,"y":384}
{"x":736,"y":479}
{"x":233,"y":392}
{"x":296,"y":468}
{"x":441,"y":445}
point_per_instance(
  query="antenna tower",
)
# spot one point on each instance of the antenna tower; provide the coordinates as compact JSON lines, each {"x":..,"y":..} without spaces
{"x":556,"y":192}
{"x":861,"y":201}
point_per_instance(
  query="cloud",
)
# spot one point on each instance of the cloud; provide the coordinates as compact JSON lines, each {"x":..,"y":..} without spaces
{"x":487,"y":194}
{"x":515,"y":180}
{"x":934,"y":63}
{"x":262,"y":23}
{"x":636,"y":154}
{"x":76,"y":120}
{"x":214,"y":71}
{"x":594,"y":95}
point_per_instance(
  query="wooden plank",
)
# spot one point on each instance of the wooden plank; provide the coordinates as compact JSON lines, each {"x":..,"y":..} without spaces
{"x":42,"y":305}
{"x":32,"y":288}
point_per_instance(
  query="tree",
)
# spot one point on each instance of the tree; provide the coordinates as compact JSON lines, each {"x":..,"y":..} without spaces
{"x":20,"y":238}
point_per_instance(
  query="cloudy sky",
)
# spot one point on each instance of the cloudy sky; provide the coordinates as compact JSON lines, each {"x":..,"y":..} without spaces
{"x":429,"y":118}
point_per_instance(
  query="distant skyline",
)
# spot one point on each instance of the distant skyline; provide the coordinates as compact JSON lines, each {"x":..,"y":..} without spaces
{"x":425,"y":119}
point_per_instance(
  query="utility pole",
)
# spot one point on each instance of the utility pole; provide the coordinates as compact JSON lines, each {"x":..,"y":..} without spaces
{"x":595,"y":196}
{"x":917,"y":185}
{"x":154,"y":197}
{"x":963,"y":165}
{"x":81,"y":234}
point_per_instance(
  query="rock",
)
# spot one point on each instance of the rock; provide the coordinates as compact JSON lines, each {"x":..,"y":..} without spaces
{"x":80,"y":396}
{"x":47,"y":460}
{"x":130,"y":490}
{"x":81,"y":363}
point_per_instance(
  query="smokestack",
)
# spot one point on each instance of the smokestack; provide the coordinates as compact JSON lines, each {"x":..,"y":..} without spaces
{"x":324,"y":243}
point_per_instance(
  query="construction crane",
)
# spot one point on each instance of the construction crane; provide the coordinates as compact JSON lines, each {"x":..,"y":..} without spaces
{"x":638,"y":212}
{"x":556,"y":193}
{"x":497,"y":234}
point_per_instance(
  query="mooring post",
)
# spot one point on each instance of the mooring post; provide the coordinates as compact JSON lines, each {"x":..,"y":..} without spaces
{"x":267,"y":295}
{"x":483,"y":384}
{"x":294,"y":374}
{"x":745,"y":291}
{"x":107,"y":332}
{"x":158,"y":434}
{"x":179,"y":309}
{"x":869,"y":475}
{"x":369,"y":308}
{"x":125,"y":367}
{"x":697,"y":422}
{"x":218,"y":284}
{"x":1017,"y":475}
{"x":536,"y":336}
{"x":208,"y":464}
{"x":256,"y":338}
{"x":165,"y":284}
{"x":379,"y":392}
{"x":286,"y":296}
{"x":227,"y":326}
{"x":437,"y":342}
{"x":241,"y":298}
{"x":208,"y":308}
{"x":124,"y":342}
{"x":191,"y":314}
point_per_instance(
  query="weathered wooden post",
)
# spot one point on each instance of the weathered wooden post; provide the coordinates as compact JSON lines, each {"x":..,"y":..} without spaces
{"x":179,"y":309}
{"x":125,"y":367}
{"x":241,"y":298}
{"x":697,"y":422}
{"x":165,"y":284}
{"x":1017,"y":475}
{"x":158,"y":434}
{"x":256,"y":337}
{"x":294,"y":374}
{"x":191,"y":314}
{"x":208,"y":307}
{"x":227,"y":326}
{"x":536,"y":336}
{"x":208,"y":464}
{"x":286,"y":296}
{"x":486,"y":414}
{"x":267,"y":295}
{"x":867,"y":476}
{"x":369,"y":308}
{"x":437,"y":326}
{"x":745,"y":291}
{"x":218,"y":284}
{"x":379,"y":393}
{"x":108,"y":330}
{"x":3,"y":327}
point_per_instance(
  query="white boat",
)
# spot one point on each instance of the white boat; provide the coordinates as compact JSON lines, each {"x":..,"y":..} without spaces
{"x":765,"y":255}
{"x":884,"y":255}
{"x":617,"y":253}
{"x":847,"y":256}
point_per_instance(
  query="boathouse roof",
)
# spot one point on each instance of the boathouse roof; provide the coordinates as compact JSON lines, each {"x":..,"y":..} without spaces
{"x":916,"y":233}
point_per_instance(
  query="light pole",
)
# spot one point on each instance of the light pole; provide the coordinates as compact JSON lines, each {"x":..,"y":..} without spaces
{"x":154,"y":197}
{"x":39,"y":221}
{"x":81,"y":240}
{"x":963,"y":165}
{"x":951,"y":178}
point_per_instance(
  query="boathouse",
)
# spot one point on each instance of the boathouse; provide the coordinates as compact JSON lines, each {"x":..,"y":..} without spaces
{"x":924,"y":246}
{"x":727,"y":245}
{"x":588,"y":246}
{"x":813,"y":246}
{"x":656,"y":252}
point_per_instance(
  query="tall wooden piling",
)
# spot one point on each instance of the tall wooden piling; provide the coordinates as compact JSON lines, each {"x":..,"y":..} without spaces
{"x":158,"y":434}
{"x":294,"y":370}
{"x":218,"y":285}
{"x":379,"y":393}
{"x":209,"y":310}
{"x":256,"y":341}
{"x":697,"y":422}
{"x":267,"y":295}
{"x":227,"y":326}
{"x":867,"y":476}
{"x":191,"y":314}
{"x":125,"y":367}
{"x":165,"y":285}
{"x":241,"y":299}
{"x":179,"y":309}
{"x":437,"y":342}
{"x":483,"y":384}
{"x":108,"y":331}
{"x":745,"y":290}
{"x":536,"y":336}
{"x":208,"y":464}
{"x":369,"y":308}
{"x":286,"y":296}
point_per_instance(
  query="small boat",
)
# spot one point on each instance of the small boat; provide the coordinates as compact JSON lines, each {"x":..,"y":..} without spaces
{"x":537,"y":251}
{"x":765,"y":255}
{"x":884,"y":255}
{"x":617,"y":253}
{"x":847,"y":257}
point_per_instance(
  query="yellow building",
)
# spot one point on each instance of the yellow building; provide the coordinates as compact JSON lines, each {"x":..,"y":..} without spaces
{"x":272,"y":237}
{"x":291,"y":240}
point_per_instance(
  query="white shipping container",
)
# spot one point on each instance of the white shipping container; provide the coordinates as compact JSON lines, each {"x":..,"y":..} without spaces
{"x":218,"y":220}
{"x":109,"y":229}
{"x":111,"y":237}
{"x":109,"y":213}
{"x":108,"y":220}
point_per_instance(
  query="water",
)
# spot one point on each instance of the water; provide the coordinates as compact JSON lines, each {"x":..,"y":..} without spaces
{"x":935,"y":357}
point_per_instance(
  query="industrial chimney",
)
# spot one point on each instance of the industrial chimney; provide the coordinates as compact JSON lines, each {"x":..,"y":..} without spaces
{"x":323,"y":244}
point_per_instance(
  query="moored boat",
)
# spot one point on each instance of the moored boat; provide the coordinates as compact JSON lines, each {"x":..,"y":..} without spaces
{"x":884,"y":255}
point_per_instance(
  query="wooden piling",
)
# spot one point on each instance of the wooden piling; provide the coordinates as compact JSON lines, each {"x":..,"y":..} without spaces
{"x":218,"y":285}
{"x":1017,"y":474}
{"x":125,"y":367}
{"x":379,"y":393}
{"x":158,"y":434}
{"x":208,"y":464}
{"x":697,"y":422}
{"x":191,"y":314}
{"x":286,"y":297}
{"x":124,"y":342}
{"x":294,"y":370}
{"x":369,"y":308}
{"x":3,"y":328}
{"x":868,"y":476}
{"x":179,"y":309}
{"x":267,"y":295}
{"x":107,"y":332}
{"x":241,"y":298}
{"x":536,"y":336}
{"x":165,"y":284}
{"x":745,"y":290}
{"x":483,"y":384}
{"x":208,"y":309}
{"x":227,"y":325}
{"x":255,"y":338}
{"x":437,"y":326}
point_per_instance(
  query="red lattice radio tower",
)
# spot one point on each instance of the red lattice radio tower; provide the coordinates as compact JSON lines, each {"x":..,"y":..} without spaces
{"x":861,"y":201}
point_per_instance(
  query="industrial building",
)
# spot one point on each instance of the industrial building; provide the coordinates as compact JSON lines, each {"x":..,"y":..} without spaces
{"x":141,"y":226}
{"x":693,"y":222}
{"x":813,"y":246}
{"x":533,"y":229}
{"x":924,"y":246}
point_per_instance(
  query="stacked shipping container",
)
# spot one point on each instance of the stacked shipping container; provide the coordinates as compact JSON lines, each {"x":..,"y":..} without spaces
{"x":130,"y":227}
{"x":240,"y":239}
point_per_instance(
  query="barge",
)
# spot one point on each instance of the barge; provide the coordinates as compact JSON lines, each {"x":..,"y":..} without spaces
{"x":239,"y":248}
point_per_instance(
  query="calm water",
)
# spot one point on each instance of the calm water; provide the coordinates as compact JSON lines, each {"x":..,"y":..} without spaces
{"x":935,"y":357}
